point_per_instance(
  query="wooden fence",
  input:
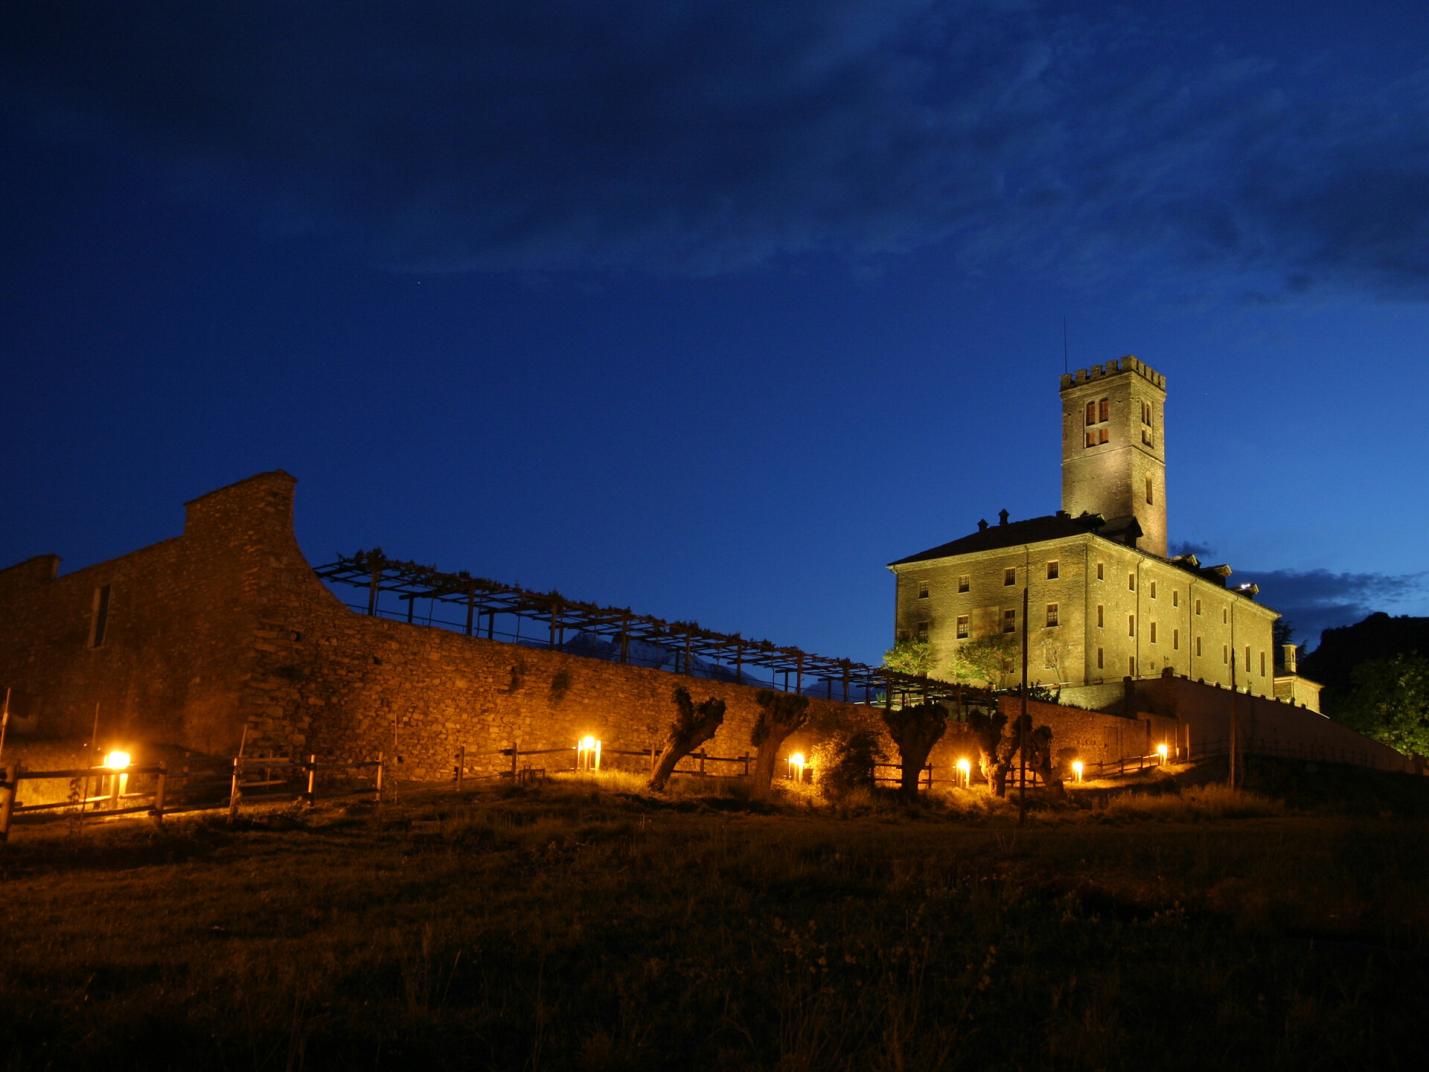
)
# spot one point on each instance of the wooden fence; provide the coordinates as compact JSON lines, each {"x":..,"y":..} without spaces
{"x":198,"y":785}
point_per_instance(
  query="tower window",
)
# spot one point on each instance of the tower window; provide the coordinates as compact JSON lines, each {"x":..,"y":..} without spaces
{"x":1009,"y":578}
{"x":1052,"y":570}
{"x":962,"y":582}
{"x":1009,"y":621}
{"x":1103,"y":410}
{"x":1051,"y":614}
{"x":99,"y":617}
{"x":1097,"y":413}
{"x":1150,"y":499}
{"x":962,"y":626}
{"x":922,"y":589}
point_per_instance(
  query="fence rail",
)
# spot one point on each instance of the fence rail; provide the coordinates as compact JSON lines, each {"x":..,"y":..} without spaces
{"x":160,"y":799}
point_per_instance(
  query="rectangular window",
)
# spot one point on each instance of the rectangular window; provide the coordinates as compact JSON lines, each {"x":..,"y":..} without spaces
{"x":1131,"y":625}
{"x":1153,"y":632}
{"x":1101,"y":615}
{"x":1198,"y":606}
{"x":1051,"y":614}
{"x":1099,"y":658}
{"x":922,"y":630}
{"x":1175,"y":640}
{"x":1153,"y":589}
{"x":1247,"y":659}
{"x":963,"y":582}
{"x":1101,"y":435}
{"x":1175,"y":599}
{"x":922,"y":589}
{"x":1150,"y":499}
{"x":1104,"y":410}
{"x":1099,"y":571}
{"x":1091,"y":412}
{"x":962,"y":626}
{"x":1009,"y":621}
{"x":1052,"y":570}
{"x":1225,"y":654}
{"x":1131,"y":582}
{"x":99,"y":617}
{"x":1131,"y":665}
{"x":1262,"y":664}
{"x":1009,"y":578}
{"x":1225,"y":615}
{"x":1198,"y":647}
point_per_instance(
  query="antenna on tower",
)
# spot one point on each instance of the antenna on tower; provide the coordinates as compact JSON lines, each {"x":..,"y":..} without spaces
{"x":1064,"y":345}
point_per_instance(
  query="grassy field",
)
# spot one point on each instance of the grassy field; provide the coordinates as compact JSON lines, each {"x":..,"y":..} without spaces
{"x":586,"y":926}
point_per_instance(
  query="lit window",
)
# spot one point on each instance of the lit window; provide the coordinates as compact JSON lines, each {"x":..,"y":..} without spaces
{"x":99,"y":617}
{"x":922,"y":589}
{"x":962,"y":582}
{"x":1009,"y":621}
{"x":1052,"y":570}
{"x":1051,"y":614}
{"x":1009,"y":578}
{"x":962,"y":626}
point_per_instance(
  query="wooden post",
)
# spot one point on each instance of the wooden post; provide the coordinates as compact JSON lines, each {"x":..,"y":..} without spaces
{"x":161,"y":788}
{"x":460,"y":767}
{"x":114,"y":786}
{"x":377,"y":782}
{"x":233,"y":790}
{"x":312,"y":768}
{"x":8,"y":789}
{"x":514,"y":754}
{"x":702,"y":761}
{"x":745,"y":757}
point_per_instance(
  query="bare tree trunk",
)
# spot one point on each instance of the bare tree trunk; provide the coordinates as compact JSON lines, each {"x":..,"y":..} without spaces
{"x":780,"y":714}
{"x":915,"y":730}
{"x":692,"y":727}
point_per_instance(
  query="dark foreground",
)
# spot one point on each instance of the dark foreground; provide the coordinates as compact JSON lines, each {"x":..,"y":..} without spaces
{"x":568,"y":927}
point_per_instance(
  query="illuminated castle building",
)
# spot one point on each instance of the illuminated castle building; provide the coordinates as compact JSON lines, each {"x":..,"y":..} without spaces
{"x":1104,"y":602}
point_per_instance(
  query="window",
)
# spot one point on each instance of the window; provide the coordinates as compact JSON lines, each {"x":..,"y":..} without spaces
{"x":99,"y":617}
{"x":1153,"y":632}
{"x":1131,"y":625}
{"x":962,"y":582}
{"x":1175,"y":640}
{"x":1009,"y":578}
{"x":1150,"y":499}
{"x":1225,"y":654}
{"x":1009,"y":621}
{"x":1104,"y":410}
{"x":1131,"y":582}
{"x":1051,"y":614}
{"x":1052,"y":570}
{"x":1198,"y":606}
{"x":1175,"y":599}
{"x":1091,"y":412}
{"x":923,"y":631}
{"x":1147,"y":415}
{"x":962,"y":626}
{"x":1262,"y":664}
{"x":1099,"y":658}
{"x":1099,"y":571}
{"x":1131,"y":665}
{"x":1247,"y":659}
{"x":1101,"y":615}
{"x":922,"y":589}
{"x":1097,"y":413}
{"x":1225,"y":615}
{"x":1153,"y":589}
{"x":1198,"y":647}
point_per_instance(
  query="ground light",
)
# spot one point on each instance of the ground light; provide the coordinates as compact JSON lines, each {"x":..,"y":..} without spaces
{"x":588,"y":754}
{"x":1162,"y":750}
{"x":1077,"y":769}
{"x":797,"y":763}
{"x":965,"y":772}
{"x":117,"y":761}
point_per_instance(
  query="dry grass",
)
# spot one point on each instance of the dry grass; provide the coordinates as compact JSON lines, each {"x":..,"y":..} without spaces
{"x":588,"y":925}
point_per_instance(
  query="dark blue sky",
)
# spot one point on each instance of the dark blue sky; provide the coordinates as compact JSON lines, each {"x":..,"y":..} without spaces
{"x":711,"y":310}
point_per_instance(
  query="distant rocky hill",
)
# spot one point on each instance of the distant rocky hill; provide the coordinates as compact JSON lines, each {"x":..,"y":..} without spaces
{"x":1377,"y":637}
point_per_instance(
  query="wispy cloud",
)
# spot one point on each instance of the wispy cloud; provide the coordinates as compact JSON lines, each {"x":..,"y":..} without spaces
{"x":707,"y":138}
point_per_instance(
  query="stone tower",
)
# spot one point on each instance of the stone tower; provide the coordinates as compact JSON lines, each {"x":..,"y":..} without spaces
{"x":1114,"y":448}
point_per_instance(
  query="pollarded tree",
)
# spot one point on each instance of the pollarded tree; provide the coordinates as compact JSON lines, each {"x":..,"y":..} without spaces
{"x":780,"y":714}
{"x":987,"y":727}
{"x":692,"y":726}
{"x":915,"y":730}
{"x":911,"y":655}
{"x":1040,"y":758}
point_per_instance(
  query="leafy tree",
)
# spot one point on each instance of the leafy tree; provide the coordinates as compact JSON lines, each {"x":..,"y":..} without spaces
{"x":915,"y":730}
{"x":992,"y":660}
{"x":909,"y":656}
{"x":692,"y":726}
{"x":780,"y":714}
{"x":1388,"y":701}
{"x":852,"y":766}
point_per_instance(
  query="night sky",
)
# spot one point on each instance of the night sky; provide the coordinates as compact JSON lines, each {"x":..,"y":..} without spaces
{"x":711,"y":310}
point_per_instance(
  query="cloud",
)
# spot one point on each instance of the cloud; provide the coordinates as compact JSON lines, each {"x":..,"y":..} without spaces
{"x":705,"y":138}
{"x":1315,"y":600}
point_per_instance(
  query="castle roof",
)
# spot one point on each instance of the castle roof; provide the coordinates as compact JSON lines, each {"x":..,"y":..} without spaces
{"x":1032,"y":530}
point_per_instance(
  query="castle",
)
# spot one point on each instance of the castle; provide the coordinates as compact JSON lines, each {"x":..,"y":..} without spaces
{"x":1104,"y":602}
